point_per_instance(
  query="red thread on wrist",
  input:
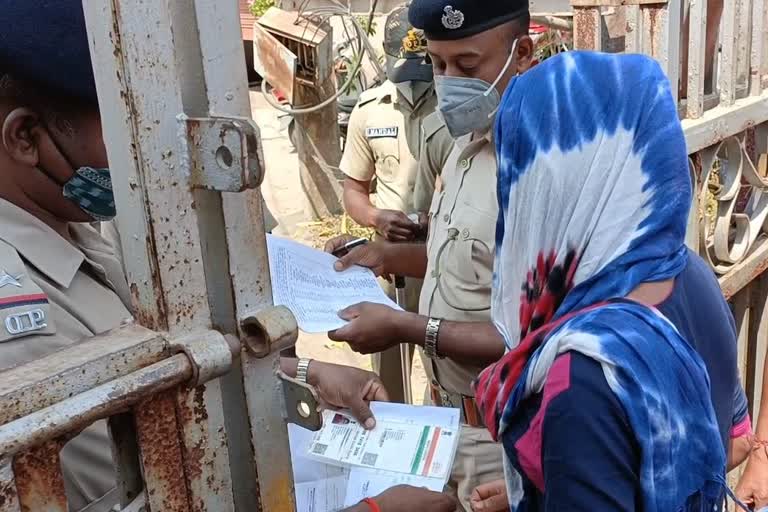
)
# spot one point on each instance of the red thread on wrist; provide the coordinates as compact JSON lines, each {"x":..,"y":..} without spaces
{"x":372,"y":504}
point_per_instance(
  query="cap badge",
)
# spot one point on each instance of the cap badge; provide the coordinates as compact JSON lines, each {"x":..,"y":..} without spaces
{"x":452,"y":19}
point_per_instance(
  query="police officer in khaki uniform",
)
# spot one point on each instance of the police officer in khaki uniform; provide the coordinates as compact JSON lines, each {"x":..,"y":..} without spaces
{"x":475,"y":48}
{"x":384,"y":142}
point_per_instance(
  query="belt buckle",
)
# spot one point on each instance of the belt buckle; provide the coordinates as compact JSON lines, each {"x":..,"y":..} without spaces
{"x":446,"y":399}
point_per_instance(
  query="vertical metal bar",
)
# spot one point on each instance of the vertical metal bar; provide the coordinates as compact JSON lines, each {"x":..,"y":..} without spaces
{"x":661,"y":38}
{"x":206,"y":462}
{"x":125,"y":452}
{"x":757,"y":57}
{"x":728,"y":61}
{"x":633,"y":38}
{"x":693,"y":231}
{"x":9,"y":498}
{"x":697,"y":30}
{"x":161,"y":454}
{"x":587,"y":28}
{"x":246,"y":252}
{"x":743,"y":54}
{"x":39,"y":482}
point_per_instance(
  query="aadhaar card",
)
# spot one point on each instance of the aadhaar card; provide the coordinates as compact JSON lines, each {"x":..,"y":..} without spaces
{"x":408,"y":448}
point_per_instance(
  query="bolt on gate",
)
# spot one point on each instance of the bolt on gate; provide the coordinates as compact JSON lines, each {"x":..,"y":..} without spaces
{"x":197,"y":418}
{"x":725,"y":118}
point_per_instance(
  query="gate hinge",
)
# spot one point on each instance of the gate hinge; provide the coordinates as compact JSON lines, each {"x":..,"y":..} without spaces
{"x":221,"y":153}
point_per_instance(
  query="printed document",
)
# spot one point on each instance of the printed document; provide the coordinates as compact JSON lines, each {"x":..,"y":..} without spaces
{"x":304,"y":280}
{"x":342,"y":463}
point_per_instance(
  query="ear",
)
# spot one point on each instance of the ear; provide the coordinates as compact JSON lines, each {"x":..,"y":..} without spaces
{"x":19,"y":138}
{"x":525,"y":53}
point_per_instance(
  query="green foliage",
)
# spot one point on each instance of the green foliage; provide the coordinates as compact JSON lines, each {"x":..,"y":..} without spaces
{"x":363,"y":20}
{"x":259,"y":7}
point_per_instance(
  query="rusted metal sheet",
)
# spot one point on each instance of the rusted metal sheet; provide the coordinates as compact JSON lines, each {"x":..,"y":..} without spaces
{"x":311,"y":43}
{"x":125,"y":453}
{"x":728,"y":54}
{"x":45,"y":381}
{"x":587,"y":28}
{"x":161,"y":454}
{"x":757,"y":52}
{"x":758,"y":338}
{"x":697,"y":23}
{"x":204,"y":447}
{"x":73,"y":414}
{"x":273,"y":61}
{"x":39,"y":482}
{"x":9,"y":497}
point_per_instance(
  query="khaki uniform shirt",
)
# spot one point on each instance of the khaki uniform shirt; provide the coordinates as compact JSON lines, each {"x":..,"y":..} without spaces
{"x":460,"y":250}
{"x":437,"y":146}
{"x":54,"y":294}
{"x":384,"y":140}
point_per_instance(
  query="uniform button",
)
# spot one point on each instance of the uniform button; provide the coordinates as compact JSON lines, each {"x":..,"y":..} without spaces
{"x":465,"y":233}
{"x":446,"y":218}
{"x":464,"y":164}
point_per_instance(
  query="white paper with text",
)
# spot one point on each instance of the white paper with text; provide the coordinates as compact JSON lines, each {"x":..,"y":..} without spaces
{"x":304,"y":280}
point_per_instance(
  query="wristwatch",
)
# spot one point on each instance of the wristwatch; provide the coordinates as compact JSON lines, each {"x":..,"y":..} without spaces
{"x":430,"y":338}
{"x":301,"y":370}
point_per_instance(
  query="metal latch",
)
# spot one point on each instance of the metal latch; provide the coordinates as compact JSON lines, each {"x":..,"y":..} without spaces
{"x":223,"y":152}
{"x":272,"y":330}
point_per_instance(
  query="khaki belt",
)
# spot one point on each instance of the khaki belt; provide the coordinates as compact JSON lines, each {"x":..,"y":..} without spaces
{"x":470,"y":414}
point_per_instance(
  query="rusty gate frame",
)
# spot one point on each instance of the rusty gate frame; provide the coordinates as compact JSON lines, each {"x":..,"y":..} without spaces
{"x":197,"y":418}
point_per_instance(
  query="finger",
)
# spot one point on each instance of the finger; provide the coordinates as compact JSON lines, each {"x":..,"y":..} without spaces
{"x":496,"y":503}
{"x":336,"y":242}
{"x":353,"y":257}
{"x":350,"y":313}
{"x":341,"y":334}
{"x":376,"y":392}
{"x":362,"y":412}
{"x":393,"y":237}
{"x":760,"y":499}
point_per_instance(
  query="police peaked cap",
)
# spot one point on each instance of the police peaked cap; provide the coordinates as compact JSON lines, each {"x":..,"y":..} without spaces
{"x":45,"y":42}
{"x":447,"y":20}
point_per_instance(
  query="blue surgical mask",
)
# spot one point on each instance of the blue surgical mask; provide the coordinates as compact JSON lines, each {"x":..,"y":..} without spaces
{"x":91,"y":190}
{"x":469,"y":104}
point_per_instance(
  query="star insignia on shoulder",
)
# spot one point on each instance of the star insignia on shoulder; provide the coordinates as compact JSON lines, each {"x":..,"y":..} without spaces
{"x":7,"y":279}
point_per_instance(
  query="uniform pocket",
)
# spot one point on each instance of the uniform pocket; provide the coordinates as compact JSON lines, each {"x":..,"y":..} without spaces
{"x":386,"y":150}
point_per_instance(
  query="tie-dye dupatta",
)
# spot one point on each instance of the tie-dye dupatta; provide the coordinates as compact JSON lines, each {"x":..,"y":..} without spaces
{"x":594,"y":193}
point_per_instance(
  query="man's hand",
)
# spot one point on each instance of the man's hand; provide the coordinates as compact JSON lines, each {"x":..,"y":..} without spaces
{"x":491,"y":497}
{"x":344,"y":386}
{"x":371,"y":255}
{"x":371,"y":328}
{"x":404,"y":498}
{"x":753,"y":486}
{"x":395,"y":225}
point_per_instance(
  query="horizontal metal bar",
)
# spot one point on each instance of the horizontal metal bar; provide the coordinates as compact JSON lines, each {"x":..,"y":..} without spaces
{"x":745,"y":271}
{"x":100,"y":359}
{"x":722,"y":122}
{"x":79,"y":411}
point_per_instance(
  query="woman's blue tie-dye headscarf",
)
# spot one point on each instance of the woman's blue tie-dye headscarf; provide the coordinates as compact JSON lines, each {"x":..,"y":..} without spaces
{"x":594,"y":193}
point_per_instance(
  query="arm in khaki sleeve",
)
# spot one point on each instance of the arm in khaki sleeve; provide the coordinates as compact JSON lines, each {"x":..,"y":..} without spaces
{"x":359,"y":166}
{"x":436,"y":147}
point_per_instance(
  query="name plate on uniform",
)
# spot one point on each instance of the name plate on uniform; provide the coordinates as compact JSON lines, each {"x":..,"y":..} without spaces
{"x":379,"y":133}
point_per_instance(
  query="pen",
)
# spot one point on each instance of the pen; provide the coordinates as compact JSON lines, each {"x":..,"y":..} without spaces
{"x":344,"y":249}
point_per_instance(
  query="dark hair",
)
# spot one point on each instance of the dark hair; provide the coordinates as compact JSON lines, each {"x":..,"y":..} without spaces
{"x":521,"y":25}
{"x":58,"y":110}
